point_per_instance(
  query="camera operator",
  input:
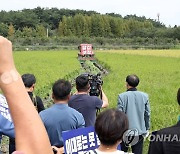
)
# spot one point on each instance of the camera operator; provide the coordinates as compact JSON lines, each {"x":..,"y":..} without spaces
{"x":86,"y":104}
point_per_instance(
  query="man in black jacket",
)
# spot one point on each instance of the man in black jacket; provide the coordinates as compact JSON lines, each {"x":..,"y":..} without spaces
{"x":166,"y":140}
{"x":29,"y":81}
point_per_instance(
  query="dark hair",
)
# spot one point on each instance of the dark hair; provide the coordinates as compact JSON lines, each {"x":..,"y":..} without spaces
{"x":61,"y":89}
{"x":82,"y":83}
{"x":110,"y":126}
{"x":132,"y":80}
{"x":28,"y":80}
{"x":178,"y":96}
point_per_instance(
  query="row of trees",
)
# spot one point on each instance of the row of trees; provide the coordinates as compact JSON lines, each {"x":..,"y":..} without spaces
{"x":49,"y":18}
{"x":47,"y":25}
{"x":11,"y":32}
{"x":113,"y":27}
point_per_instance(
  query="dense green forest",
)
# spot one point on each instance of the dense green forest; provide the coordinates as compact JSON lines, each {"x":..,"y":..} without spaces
{"x":52,"y":28}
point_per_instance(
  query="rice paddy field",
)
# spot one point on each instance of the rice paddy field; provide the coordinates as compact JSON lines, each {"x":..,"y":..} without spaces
{"x":158,"y":70}
{"x":47,"y":66}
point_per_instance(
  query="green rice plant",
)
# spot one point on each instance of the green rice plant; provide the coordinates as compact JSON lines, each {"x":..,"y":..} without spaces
{"x":159,"y":77}
{"x":47,"y":66}
{"x":160,"y":53}
{"x":158,"y":72}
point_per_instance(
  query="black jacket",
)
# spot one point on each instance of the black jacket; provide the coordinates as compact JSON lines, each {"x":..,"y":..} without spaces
{"x":39,"y":106}
{"x":166,"y":141}
{"x":37,"y":102}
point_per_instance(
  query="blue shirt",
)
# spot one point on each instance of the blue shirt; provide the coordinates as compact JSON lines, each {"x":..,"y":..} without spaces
{"x":87,"y":106}
{"x":135,"y":104}
{"x":6,"y":124}
{"x":59,"y":118}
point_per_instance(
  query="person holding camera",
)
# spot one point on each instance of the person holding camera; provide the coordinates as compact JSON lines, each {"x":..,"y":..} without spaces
{"x":84,"y":103}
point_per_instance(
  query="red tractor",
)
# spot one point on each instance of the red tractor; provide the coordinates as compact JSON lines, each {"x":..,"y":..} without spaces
{"x":85,"y":52}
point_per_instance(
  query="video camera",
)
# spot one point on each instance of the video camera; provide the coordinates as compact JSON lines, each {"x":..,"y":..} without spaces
{"x":95,"y":82}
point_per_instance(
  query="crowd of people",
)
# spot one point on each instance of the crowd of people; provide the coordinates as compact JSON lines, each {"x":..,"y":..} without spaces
{"x":33,"y":129}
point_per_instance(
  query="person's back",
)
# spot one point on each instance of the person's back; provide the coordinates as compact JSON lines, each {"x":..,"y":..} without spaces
{"x":166,"y":140}
{"x":37,"y":101}
{"x":135,"y":104}
{"x":29,"y":81}
{"x":85,"y":104}
{"x":60,"y":117}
